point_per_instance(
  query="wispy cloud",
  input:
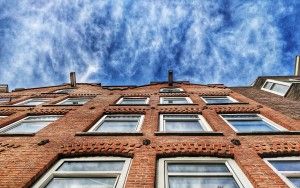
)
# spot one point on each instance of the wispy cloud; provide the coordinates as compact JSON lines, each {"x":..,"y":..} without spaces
{"x":134,"y":42}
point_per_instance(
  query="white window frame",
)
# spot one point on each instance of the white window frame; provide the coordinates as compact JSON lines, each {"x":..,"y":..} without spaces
{"x":1,"y":117}
{"x":276,"y":82}
{"x":284,"y":175}
{"x":261,"y":117}
{"x":17,"y":123}
{"x":179,"y":90}
{"x":7,"y":99}
{"x":61,"y":90}
{"x":122,"y":99}
{"x":32,"y":99}
{"x":202,"y":122}
{"x":121,"y":175}
{"x":235,"y":172}
{"x":188,"y":99}
{"x":61,"y":102}
{"x":99,"y":123}
{"x":213,"y":97}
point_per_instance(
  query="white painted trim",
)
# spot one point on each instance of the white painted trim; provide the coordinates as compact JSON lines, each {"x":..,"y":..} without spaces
{"x":99,"y":123}
{"x":32,"y":99}
{"x":276,"y":82}
{"x":147,"y":99}
{"x":236,"y":172}
{"x":224,"y":96}
{"x":263,"y":118}
{"x":281,"y":175}
{"x":121,"y":175}
{"x":202,"y":121}
{"x":188,"y":99}
{"x":17,"y":123}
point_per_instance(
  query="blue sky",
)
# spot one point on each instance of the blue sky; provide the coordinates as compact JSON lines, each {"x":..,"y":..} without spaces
{"x":137,"y":41}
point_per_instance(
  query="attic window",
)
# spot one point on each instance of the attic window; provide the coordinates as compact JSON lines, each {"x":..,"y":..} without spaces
{"x":171,"y":90}
{"x":276,"y":87}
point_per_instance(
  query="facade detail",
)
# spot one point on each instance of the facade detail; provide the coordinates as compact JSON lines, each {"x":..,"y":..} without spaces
{"x":173,"y":134}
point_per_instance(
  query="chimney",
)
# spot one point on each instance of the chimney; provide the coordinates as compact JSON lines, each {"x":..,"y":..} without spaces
{"x":170,"y":78}
{"x":73,"y":79}
{"x":3,"y":88}
{"x":297,"y":66}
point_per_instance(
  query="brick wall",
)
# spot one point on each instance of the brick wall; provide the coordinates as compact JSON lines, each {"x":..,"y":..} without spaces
{"x":23,"y":160}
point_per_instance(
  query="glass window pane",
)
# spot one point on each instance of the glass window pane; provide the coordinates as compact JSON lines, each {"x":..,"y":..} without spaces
{"x":42,"y":118}
{"x":218,"y":100}
{"x":34,"y":102}
{"x":252,"y":126}
{"x":202,"y":182}
{"x":268,"y":85}
{"x":286,"y":165}
{"x":2,"y":100}
{"x":82,"y":183}
{"x":91,"y":166}
{"x":280,"y":88}
{"x":180,"y":126}
{"x":175,"y":101}
{"x":196,"y":167}
{"x":236,"y":116}
{"x":123,"y":117}
{"x":295,"y":181}
{"x":133,"y":101}
{"x":64,"y":91}
{"x":28,"y":127}
{"x":180,"y":116}
{"x":75,"y":101}
{"x":118,"y":126}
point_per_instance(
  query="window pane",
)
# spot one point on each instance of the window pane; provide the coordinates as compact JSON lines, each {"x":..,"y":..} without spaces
{"x":280,"y":88}
{"x":43,"y":118}
{"x":236,"y":116}
{"x":75,"y":101}
{"x":133,"y":101}
{"x":175,"y":101}
{"x":91,"y":166}
{"x":180,"y":126}
{"x":196,"y":167}
{"x":28,"y":127}
{"x":64,"y":91}
{"x":218,"y":100}
{"x":34,"y":102}
{"x":202,"y":182}
{"x":118,"y":126}
{"x":286,"y":165}
{"x":252,"y":126}
{"x":180,"y":116}
{"x":123,"y":117}
{"x":295,"y":181}
{"x":82,"y":183}
{"x":4,"y":100}
{"x":268,"y":85}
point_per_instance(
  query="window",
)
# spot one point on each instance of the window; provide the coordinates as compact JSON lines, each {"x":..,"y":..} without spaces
{"x":33,"y":102}
{"x":64,"y":91}
{"x":218,"y":100}
{"x":175,"y":100}
{"x":133,"y":100}
{"x":4,"y":99}
{"x":103,"y":172}
{"x":183,"y":123}
{"x":30,"y":124}
{"x":288,"y":168}
{"x":276,"y":87}
{"x":74,"y":101}
{"x":171,"y":90}
{"x":1,"y":117}
{"x":204,"y":172}
{"x":251,"y":123}
{"x":118,"y":123}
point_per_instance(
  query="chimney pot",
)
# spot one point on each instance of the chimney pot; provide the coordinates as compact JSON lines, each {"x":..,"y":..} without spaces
{"x":3,"y":88}
{"x":73,"y":79}
{"x":297,"y":65}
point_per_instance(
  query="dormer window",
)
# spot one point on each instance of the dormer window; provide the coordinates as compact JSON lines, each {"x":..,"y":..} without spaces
{"x":171,"y":90}
{"x":64,"y":91}
{"x":276,"y":87}
{"x":74,"y":101}
{"x":32,"y":102}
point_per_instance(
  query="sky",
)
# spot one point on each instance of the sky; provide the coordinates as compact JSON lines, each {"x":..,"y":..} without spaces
{"x":133,"y":42}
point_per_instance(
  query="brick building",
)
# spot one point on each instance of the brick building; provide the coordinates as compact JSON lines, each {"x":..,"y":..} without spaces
{"x":164,"y":134}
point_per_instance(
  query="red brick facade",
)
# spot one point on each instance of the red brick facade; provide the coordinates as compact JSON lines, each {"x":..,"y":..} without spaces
{"x":25,"y":158}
